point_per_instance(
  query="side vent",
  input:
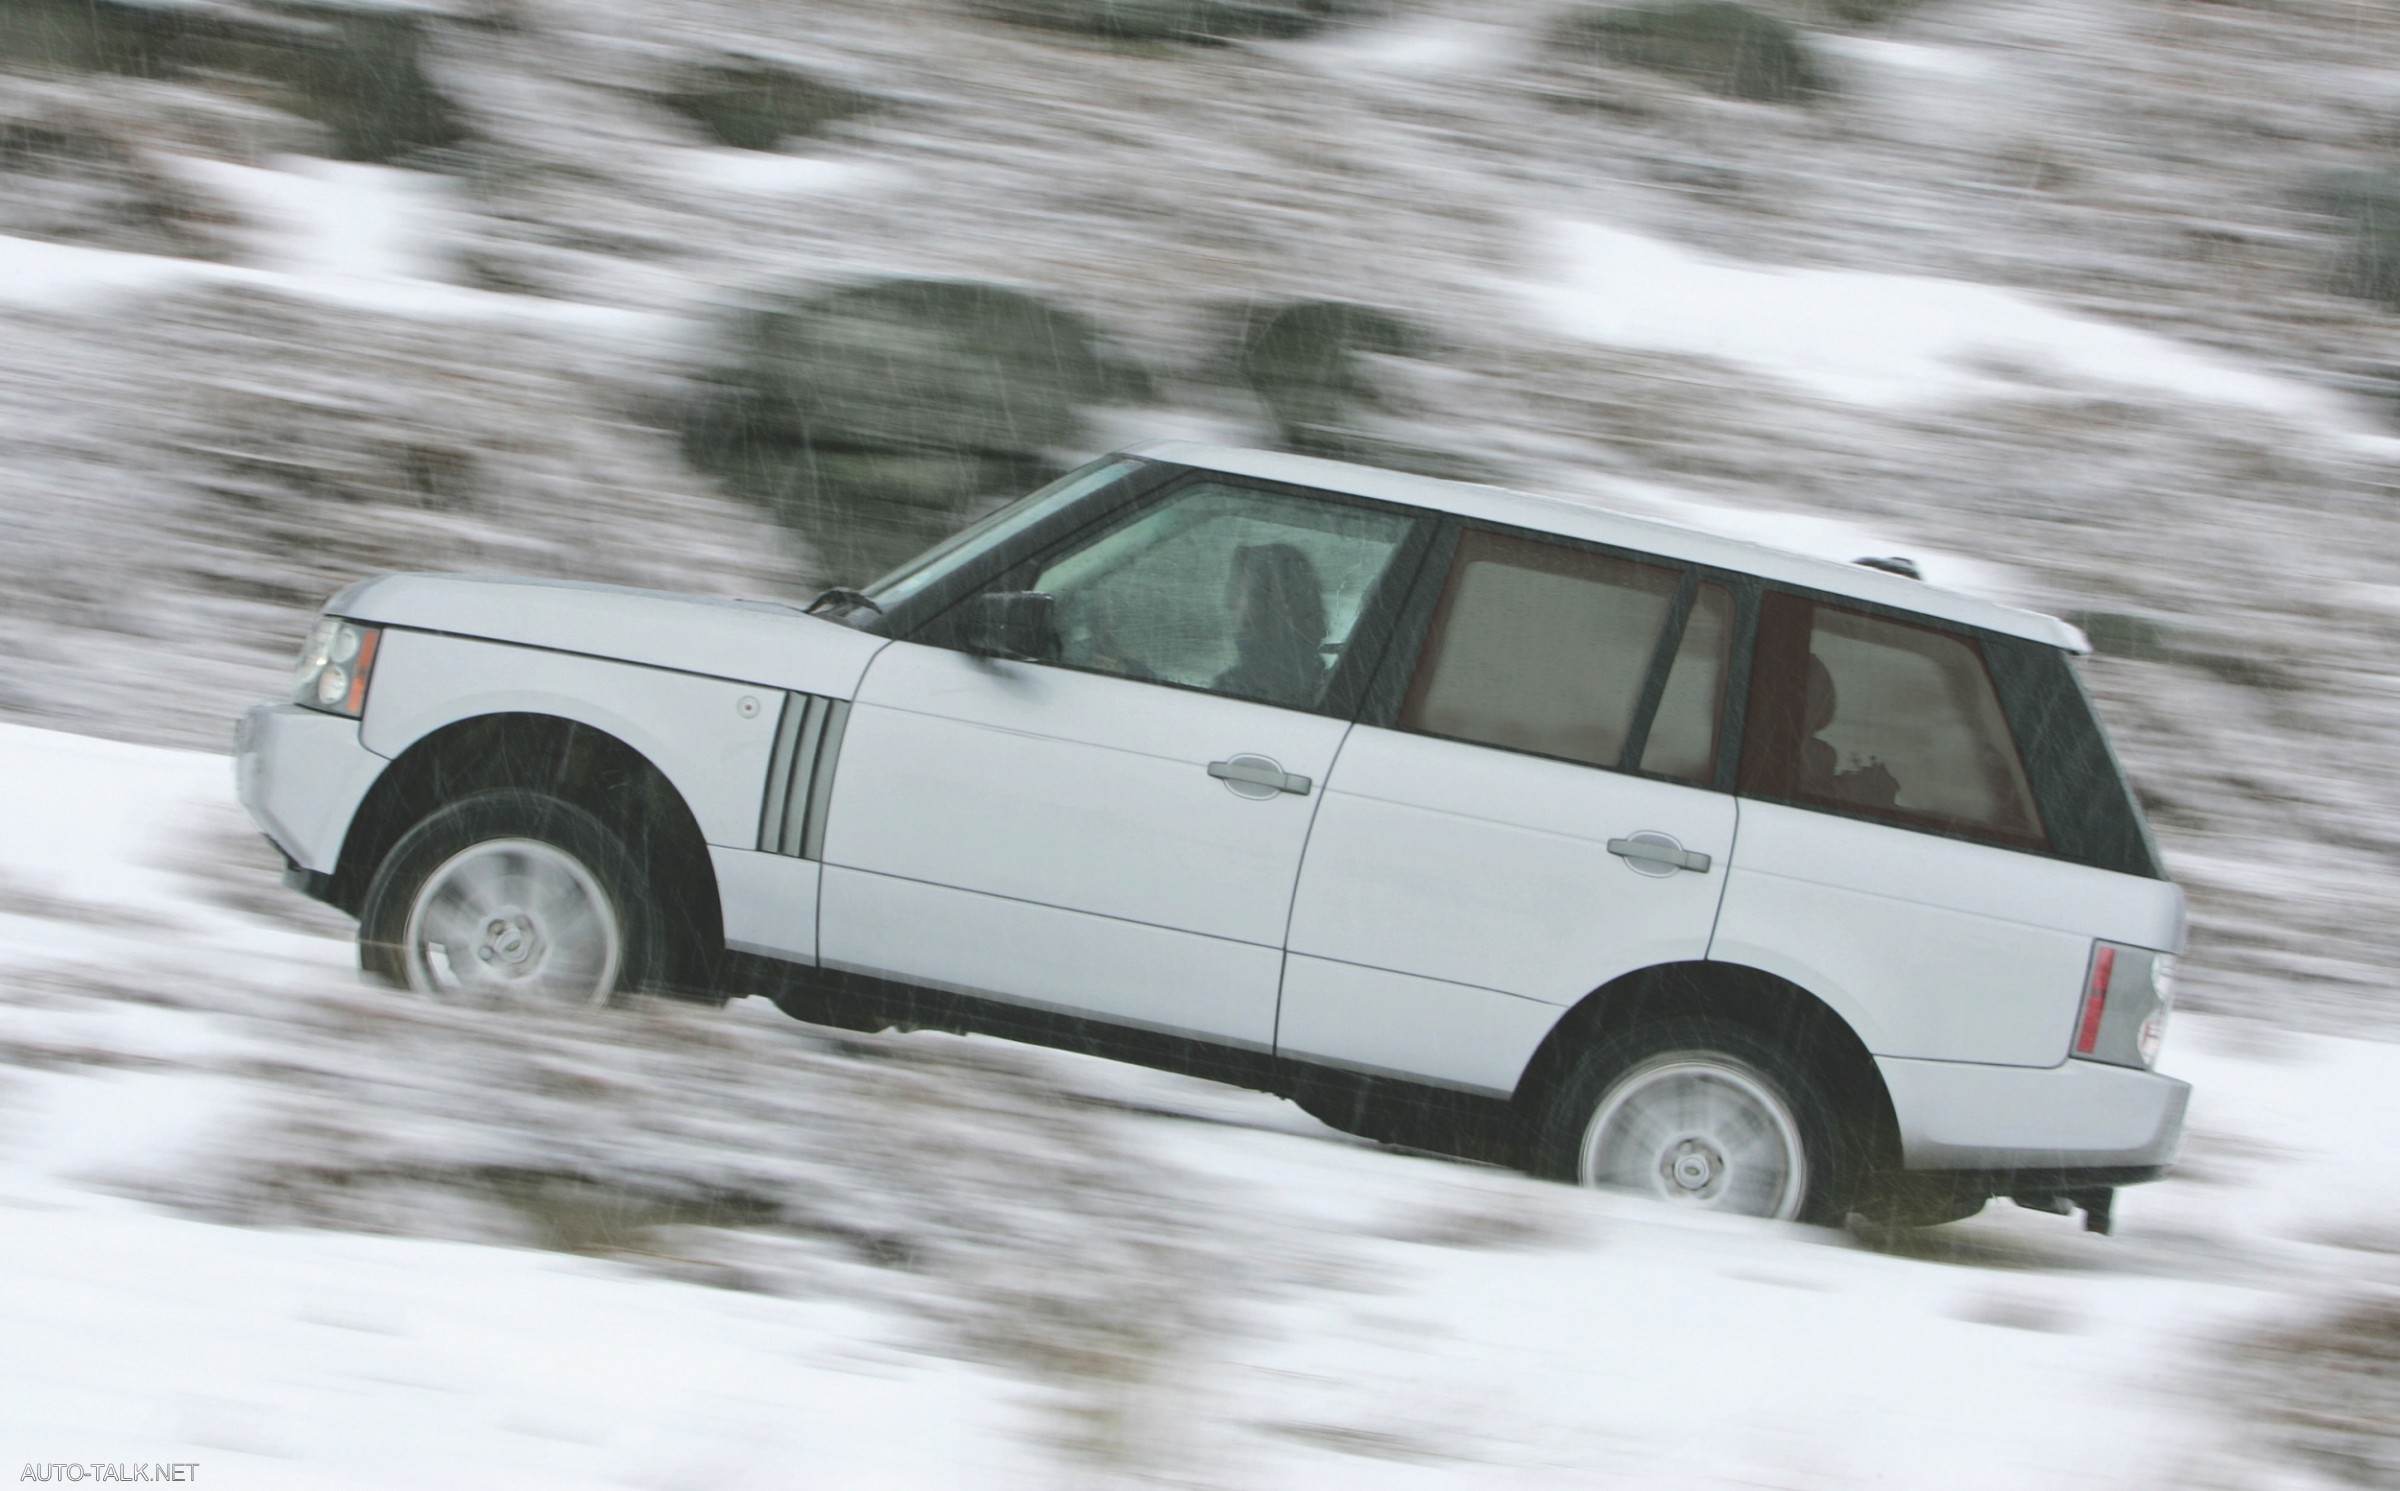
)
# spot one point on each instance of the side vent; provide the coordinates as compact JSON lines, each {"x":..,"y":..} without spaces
{"x":808,"y":738}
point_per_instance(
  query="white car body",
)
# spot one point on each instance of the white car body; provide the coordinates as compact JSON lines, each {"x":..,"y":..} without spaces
{"x":1421,"y":915}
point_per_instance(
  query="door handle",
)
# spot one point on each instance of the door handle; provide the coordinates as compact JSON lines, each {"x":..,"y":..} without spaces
{"x":1657,"y":849}
{"x":1258,"y":771}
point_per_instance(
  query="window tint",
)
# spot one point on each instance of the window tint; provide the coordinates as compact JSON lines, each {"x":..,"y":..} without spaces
{"x":1683,"y":735}
{"x":1222,"y":587}
{"x":1883,"y":719}
{"x":2088,"y":807}
{"x":1539,"y":648}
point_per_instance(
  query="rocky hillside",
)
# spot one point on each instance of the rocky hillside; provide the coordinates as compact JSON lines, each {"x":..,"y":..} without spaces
{"x":747,"y":296}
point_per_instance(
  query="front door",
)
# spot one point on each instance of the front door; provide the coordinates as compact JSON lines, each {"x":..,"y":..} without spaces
{"x":1115,"y":831}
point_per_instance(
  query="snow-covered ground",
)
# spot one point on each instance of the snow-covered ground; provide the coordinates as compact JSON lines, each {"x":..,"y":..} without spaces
{"x":183,"y":1045}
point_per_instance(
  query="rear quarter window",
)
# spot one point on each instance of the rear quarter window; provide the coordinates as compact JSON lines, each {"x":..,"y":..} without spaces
{"x":2090,"y":807}
{"x":1875,"y":717}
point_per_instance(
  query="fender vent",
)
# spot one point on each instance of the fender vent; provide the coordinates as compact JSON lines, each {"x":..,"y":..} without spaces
{"x":808,"y":738}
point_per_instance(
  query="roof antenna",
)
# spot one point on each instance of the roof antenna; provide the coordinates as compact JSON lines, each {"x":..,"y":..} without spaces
{"x":1893,"y":564}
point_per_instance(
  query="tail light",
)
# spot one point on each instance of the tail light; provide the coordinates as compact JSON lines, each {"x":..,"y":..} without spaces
{"x":2127,"y":992}
{"x":2095,"y":999}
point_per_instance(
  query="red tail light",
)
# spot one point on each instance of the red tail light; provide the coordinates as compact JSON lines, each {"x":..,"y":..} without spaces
{"x":2095,"y":999}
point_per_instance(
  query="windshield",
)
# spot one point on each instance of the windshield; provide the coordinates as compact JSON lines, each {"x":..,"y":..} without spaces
{"x":996,"y":527}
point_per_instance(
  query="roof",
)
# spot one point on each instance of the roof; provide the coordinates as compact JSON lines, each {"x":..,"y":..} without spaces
{"x":1599,"y":525}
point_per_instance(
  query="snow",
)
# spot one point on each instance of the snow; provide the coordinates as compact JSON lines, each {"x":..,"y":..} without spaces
{"x":336,"y":220}
{"x":1424,"y":46}
{"x":361,"y":237}
{"x":37,"y":274}
{"x":324,"y":1360}
{"x":1406,"y":1321}
{"x":1868,"y":338}
{"x":778,"y":173}
{"x":1949,"y":64}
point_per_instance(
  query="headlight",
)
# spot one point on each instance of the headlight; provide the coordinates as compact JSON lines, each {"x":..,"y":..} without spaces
{"x":334,"y":666}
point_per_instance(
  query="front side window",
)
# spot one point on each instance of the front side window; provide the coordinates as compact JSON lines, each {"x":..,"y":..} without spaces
{"x":1882,"y":719}
{"x":1233,"y":589}
{"x":997,"y":528}
{"x":1542,"y":648}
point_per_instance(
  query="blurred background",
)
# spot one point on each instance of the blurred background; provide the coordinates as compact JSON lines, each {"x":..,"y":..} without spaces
{"x":749,"y":298}
{"x":2090,"y":305}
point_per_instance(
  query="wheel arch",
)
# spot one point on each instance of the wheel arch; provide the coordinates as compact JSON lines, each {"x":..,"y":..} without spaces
{"x":577,"y":762}
{"x":1772,"y":1007}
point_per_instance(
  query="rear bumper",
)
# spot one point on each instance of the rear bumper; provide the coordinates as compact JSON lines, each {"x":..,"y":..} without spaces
{"x":302,"y":774}
{"x":2077,"y":1117}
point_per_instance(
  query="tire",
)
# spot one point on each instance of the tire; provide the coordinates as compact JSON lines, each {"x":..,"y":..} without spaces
{"x":1699,"y":1113}
{"x":511,"y":898}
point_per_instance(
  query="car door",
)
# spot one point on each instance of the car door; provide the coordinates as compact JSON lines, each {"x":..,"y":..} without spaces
{"x":1114,"y":831}
{"x":1538,"y":814}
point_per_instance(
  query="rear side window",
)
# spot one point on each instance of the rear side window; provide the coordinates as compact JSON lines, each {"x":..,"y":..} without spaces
{"x":1883,"y":719}
{"x":1536,"y":647}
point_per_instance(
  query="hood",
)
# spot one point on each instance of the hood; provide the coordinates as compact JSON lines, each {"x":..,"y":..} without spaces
{"x":762,"y":642}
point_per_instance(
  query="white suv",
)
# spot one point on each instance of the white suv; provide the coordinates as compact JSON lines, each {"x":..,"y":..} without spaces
{"x":1468,"y":820}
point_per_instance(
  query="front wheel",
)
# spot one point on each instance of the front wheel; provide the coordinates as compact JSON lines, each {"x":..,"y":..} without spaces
{"x":1699,"y":1114}
{"x":512,"y":898}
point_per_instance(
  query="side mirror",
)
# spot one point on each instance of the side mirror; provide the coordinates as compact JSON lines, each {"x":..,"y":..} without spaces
{"x":1019,"y":624}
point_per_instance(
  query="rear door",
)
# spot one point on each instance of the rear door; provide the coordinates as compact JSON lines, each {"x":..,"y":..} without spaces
{"x":1115,"y":831}
{"x":1532,"y":810}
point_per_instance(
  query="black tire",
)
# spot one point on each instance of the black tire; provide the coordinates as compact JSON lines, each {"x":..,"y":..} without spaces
{"x":1759,"y":1109}
{"x":586,"y":934}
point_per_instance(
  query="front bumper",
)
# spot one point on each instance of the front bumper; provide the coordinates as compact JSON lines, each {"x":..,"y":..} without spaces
{"x":2078,"y":1116}
{"x":302,"y":774}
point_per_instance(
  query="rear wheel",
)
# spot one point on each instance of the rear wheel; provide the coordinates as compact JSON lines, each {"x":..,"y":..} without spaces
{"x":514,"y":898}
{"x":1699,"y":1114}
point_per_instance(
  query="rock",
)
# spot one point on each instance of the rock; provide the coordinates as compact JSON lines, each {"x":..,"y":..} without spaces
{"x":1864,"y":12}
{"x":360,"y":73}
{"x":141,"y":38}
{"x":926,"y":365}
{"x":1727,"y":48}
{"x":1302,"y":359}
{"x":758,"y":105}
{"x":874,"y":418}
{"x":1309,"y":362}
{"x":2368,"y":202}
{"x":357,"y":71}
{"x":1169,"y":20}
{"x":69,"y":177}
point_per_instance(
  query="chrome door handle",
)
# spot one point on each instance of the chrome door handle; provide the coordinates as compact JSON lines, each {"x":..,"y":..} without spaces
{"x":1258,"y":771}
{"x":1658,"y":849}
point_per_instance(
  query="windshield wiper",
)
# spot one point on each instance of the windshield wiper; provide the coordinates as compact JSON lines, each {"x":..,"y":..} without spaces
{"x":846,"y":596}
